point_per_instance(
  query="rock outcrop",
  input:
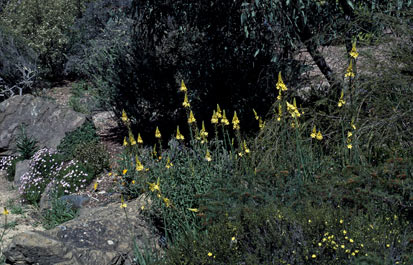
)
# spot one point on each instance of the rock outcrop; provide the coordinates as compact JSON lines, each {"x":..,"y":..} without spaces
{"x":44,"y":120}
{"x":104,"y":235}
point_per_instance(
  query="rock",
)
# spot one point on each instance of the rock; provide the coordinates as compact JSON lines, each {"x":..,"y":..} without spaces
{"x":21,"y":168}
{"x":45,"y":199}
{"x":75,"y":201}
{"x":103,"y":235}
{"x":44,"y":120}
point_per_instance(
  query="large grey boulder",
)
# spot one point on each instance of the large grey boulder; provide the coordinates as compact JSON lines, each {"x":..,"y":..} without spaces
{"x":44,"y":120}
{"x":21,"y":168}
{"x":101,"y":236}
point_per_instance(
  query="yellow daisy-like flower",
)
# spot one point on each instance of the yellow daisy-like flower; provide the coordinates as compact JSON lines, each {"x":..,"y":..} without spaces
{"x":179,"y":136}
{"x":155,"y":186}
{"x":5,"y":211}
{"x":124,"y":117}
{"x":235,"y":121}
{"x":186,"y":102}
{"x":208,"y":156}
{"x":203,"y":132}
{"x":314,"y":132}
{"x":138,"y":164}
{"x":140,"y":141}
{"x":349,"y":71}
{"x":353,"y":53}
{"x":341,"y":101}
{"x":191,"y":118}
{"x":319,"y":136}
{"x":195,"y":210}
{"x":183,"y":86}
{"x":280,"y":84}
{"x":167,"y":202}
{"x":125,"y":142}
{"x":157,"y":133}
{"x":224,"y":119}
{"x":214,"y":119}
{"x":219,"y":112}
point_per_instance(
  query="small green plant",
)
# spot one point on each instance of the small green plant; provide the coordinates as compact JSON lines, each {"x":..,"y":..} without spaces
{"x":25,"y":144}
{"x":84,"y":134}
{"x":15,"y":208}
{"x":11,"y":168}
{"x":60,"y":212}
{"x":93,"y":156}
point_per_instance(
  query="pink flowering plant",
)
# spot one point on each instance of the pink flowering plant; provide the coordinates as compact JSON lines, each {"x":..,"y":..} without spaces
{"x":47,"y":167}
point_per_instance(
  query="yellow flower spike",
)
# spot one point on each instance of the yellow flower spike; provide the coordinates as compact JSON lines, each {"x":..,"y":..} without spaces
{"x":195,"y":210}
{"x":224,"y":119}
{"x":95,"y":186}
{"x":132,"y":140}
{"x":183,"y":86}
{"x":292,"y":109}
{"x":246,"y":149}
{"x":319,"y":136}
{"x":124,"y":118}
{"x":279,"y":97}
{"x":280,"y":111}
{"x":261,"y":124}
{"x":5,"y":211}
{"x":314,"y":132}
{"x":280,"y":84}
{"x":122,"y":202}
{"x":168,"y":163}
{"x":203,"y":132}
{"x":138,"y":164}
{"x":219,"y":112}
{"x":186,"y":102}
{"x":191,"y":118}
{"x":179,"y":136}
{"x":353,"y":53}
{"x":208,"y":156}
{"x":341,"y":101}
{"x":140,"y":141}
{"x":349,"y":71}
{"x":256,"y":115}
{"x":235,"y":121}
{"x":157,"y":133}
{"x":214,"y":119}
{"x":125,"y":142}
{"x":167,"y":202}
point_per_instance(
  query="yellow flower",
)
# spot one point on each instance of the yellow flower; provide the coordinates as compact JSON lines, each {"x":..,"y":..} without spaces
{"x":203,"y":132}
{"x":5,"y":211}
{"x":214,"y":119}
{"x":138,"y":166}
{"x":169,"y":163}
{"x":219,"y":112}
{"x":123,"y":205}
{"x":124,"y":117}
{"x":349,"y":71}
{"x":387,"y":245}
{"x":208,"y":156}
{"x":166,"y":201}
{"x":341,"y":221}
{"x":349,"y":134}
{"x":122,"y":202}
{"x":351,"y":240}
{"x":179,"y":136}
{"x":124,"y":171}
{"x":353,"y":53}
{"x":186,"y":102}
{"x":140,"y":141}
{"x":132,"y":139}
{"x":256,"y":115}
{"x":246,"y":149}
{"x":183,"y":86}
{"x":191,"y":118}
{"x":154,"y":186}
{"x":157,"y":133}
{"x":261,"y":124}
{"x":352,"y":124}
{"x":319,"y":136}
{"x":349,"y":146}
{"x":224,"y":119}
{"x":279,"y":97}
{"x":233,"y":238}
{"x":344,"y":232}
{"x":235,"y":121}
{"x":195,"y":210}
{"x":95,"y":186}
{"x":314,"y":132}
{"x":293,"y":110}
{"x":125,"y":142}
{"x":280,"y":84}
{"x":314,"y":256}
{"x":209,"y":254}
{"x":341,"y":101}
{"x":133,"y":181}
{"x":280,"y":111}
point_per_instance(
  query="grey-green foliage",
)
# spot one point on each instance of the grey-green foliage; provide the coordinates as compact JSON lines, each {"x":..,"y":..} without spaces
{"x":60,"y":212}
{"x":26,"y":145}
